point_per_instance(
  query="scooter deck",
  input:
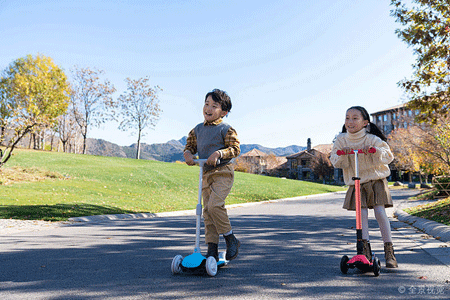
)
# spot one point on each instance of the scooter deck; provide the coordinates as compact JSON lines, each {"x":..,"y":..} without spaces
{"x":222,"y":263}
{"x":195,"y":263}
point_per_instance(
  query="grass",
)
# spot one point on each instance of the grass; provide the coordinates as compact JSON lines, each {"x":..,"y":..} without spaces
{"x":55,"y":186}
{"x":438,"y":211}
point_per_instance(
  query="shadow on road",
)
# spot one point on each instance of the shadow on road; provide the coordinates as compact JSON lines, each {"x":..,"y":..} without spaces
{"x":281,"y":256}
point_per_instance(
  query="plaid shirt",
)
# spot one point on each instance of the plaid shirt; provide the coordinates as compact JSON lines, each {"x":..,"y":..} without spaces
{"x":231,"y":150}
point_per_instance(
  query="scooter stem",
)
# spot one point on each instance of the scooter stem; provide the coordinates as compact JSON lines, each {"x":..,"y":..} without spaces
{"x":198,"y":210}
{"x":357,"y":192}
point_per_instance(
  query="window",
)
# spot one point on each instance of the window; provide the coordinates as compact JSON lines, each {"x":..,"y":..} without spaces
{"x":294,"y":164}
{"x":304,"y":162}
{"x":384,"y":118}
{"x":394,"y":116}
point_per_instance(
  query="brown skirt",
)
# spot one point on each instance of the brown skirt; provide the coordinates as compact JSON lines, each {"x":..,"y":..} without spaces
{"x":373,"y":193}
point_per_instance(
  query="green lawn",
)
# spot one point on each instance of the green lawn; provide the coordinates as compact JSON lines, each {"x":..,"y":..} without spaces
{"x":80,"y":185}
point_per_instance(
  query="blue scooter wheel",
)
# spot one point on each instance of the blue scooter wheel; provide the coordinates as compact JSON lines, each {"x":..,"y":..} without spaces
{"x":211,"y":266}
{"x":176,"y":264}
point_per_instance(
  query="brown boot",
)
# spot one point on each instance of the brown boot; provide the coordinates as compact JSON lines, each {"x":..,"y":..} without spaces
{"x":389,"y":256}
{"x":367,"y":250}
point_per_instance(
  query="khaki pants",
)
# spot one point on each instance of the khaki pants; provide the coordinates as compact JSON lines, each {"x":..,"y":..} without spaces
{"x":217,"y":185}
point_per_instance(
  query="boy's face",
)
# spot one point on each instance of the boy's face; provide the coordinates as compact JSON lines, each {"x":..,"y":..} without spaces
{"x":212,"y":110}
{"x":354,"y":121}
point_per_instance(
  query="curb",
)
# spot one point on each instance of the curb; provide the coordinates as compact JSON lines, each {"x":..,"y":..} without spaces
{"x":117,"y":217}
{"x":438,"y":230}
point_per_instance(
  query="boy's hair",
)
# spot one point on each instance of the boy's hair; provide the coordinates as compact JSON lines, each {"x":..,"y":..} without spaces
{"x":371,"y":127}
{"x":220,"y":97}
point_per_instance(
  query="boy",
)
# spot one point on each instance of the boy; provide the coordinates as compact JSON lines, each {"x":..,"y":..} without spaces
{"x":217,"y":142}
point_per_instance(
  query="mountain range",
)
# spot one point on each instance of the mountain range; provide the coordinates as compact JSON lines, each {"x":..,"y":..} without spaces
{"x":170,"y":151}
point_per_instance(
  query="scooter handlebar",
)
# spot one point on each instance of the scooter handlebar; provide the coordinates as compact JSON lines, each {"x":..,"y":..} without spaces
{"x":342,"y":152}
{"x":202,"y":161}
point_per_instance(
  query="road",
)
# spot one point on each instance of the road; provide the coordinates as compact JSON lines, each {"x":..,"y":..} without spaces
{"x":290,"y":250}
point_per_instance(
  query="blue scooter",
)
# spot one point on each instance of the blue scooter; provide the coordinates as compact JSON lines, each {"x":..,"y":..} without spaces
{"x":196,"y":263}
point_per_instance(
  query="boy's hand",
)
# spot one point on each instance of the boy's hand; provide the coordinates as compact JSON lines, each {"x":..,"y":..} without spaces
{"x":189,"y":158}
{"x":212,"y":159}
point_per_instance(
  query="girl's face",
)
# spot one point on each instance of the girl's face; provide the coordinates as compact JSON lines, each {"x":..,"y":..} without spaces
{"x":354,"y":121}
{"x":212,"y":110}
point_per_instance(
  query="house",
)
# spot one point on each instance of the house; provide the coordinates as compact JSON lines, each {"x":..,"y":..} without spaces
{"x":302,"y":164}
{"x":255,"y":161}
{"x":258,"y":162}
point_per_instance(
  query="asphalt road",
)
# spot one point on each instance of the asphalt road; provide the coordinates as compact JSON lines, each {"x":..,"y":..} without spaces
{"x":290,"y":250}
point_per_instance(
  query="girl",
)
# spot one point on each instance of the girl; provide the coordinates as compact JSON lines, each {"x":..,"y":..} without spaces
{"x":359,"y":133}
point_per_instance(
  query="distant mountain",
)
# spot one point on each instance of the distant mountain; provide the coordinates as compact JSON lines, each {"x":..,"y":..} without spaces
{"x":280,"y":151}
{"x":170,"y":151}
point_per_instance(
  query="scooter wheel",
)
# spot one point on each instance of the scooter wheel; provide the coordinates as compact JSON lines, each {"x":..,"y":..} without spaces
{"x":344,"y":266}
{"x":176,"y":262}
{"x":211,"y":266}
{"x":222,"y":255}
{"x":376,"y":266}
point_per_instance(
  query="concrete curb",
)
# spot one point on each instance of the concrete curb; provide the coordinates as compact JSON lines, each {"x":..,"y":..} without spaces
{"x":117,"y":217}
{"x":437,"y":230}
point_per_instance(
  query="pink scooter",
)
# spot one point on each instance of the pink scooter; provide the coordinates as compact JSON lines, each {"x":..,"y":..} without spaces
{"x":359,"y":261}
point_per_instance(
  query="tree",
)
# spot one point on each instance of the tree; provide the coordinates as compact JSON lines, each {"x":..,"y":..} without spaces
{"x":404,"y":145}
{"x":321,"y":166}
{"x":91,"y":100}
{"x":426,"y":28}
{"x":33,"y":93}
{"x":139,"y":108}
{"x":423,"y":147}
{"x":67,"y":129}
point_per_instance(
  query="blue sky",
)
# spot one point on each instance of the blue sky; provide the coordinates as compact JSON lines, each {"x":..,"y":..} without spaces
{"x":291,"y":67}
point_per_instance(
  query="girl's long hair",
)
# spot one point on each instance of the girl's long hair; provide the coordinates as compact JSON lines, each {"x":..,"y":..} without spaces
{"x":371,"y":127}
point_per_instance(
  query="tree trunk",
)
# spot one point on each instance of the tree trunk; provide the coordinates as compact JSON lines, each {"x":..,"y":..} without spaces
{"x":84,"y":144}
{"x":138,"y":150}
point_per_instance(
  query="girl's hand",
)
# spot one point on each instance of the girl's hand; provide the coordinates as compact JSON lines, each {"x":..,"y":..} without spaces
{"x":366,"y":149}
{"x":347,"y":150}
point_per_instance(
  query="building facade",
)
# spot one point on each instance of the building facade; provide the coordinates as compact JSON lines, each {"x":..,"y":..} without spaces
{"x":389,"y":119}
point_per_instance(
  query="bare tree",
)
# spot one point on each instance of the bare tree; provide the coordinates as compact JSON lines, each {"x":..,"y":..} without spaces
{"x":91,"y":100}
{"x":139,"y":108}
{"x":67,"y":129}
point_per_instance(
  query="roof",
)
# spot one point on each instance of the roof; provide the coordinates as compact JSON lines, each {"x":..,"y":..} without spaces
{"x":389,"y":109}
{"x":302,"y":153}
{"x":322,"y":148}
{"x":254,"y":153}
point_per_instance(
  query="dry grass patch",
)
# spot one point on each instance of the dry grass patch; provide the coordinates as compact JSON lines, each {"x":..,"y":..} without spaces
{"x":19,"y":174}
